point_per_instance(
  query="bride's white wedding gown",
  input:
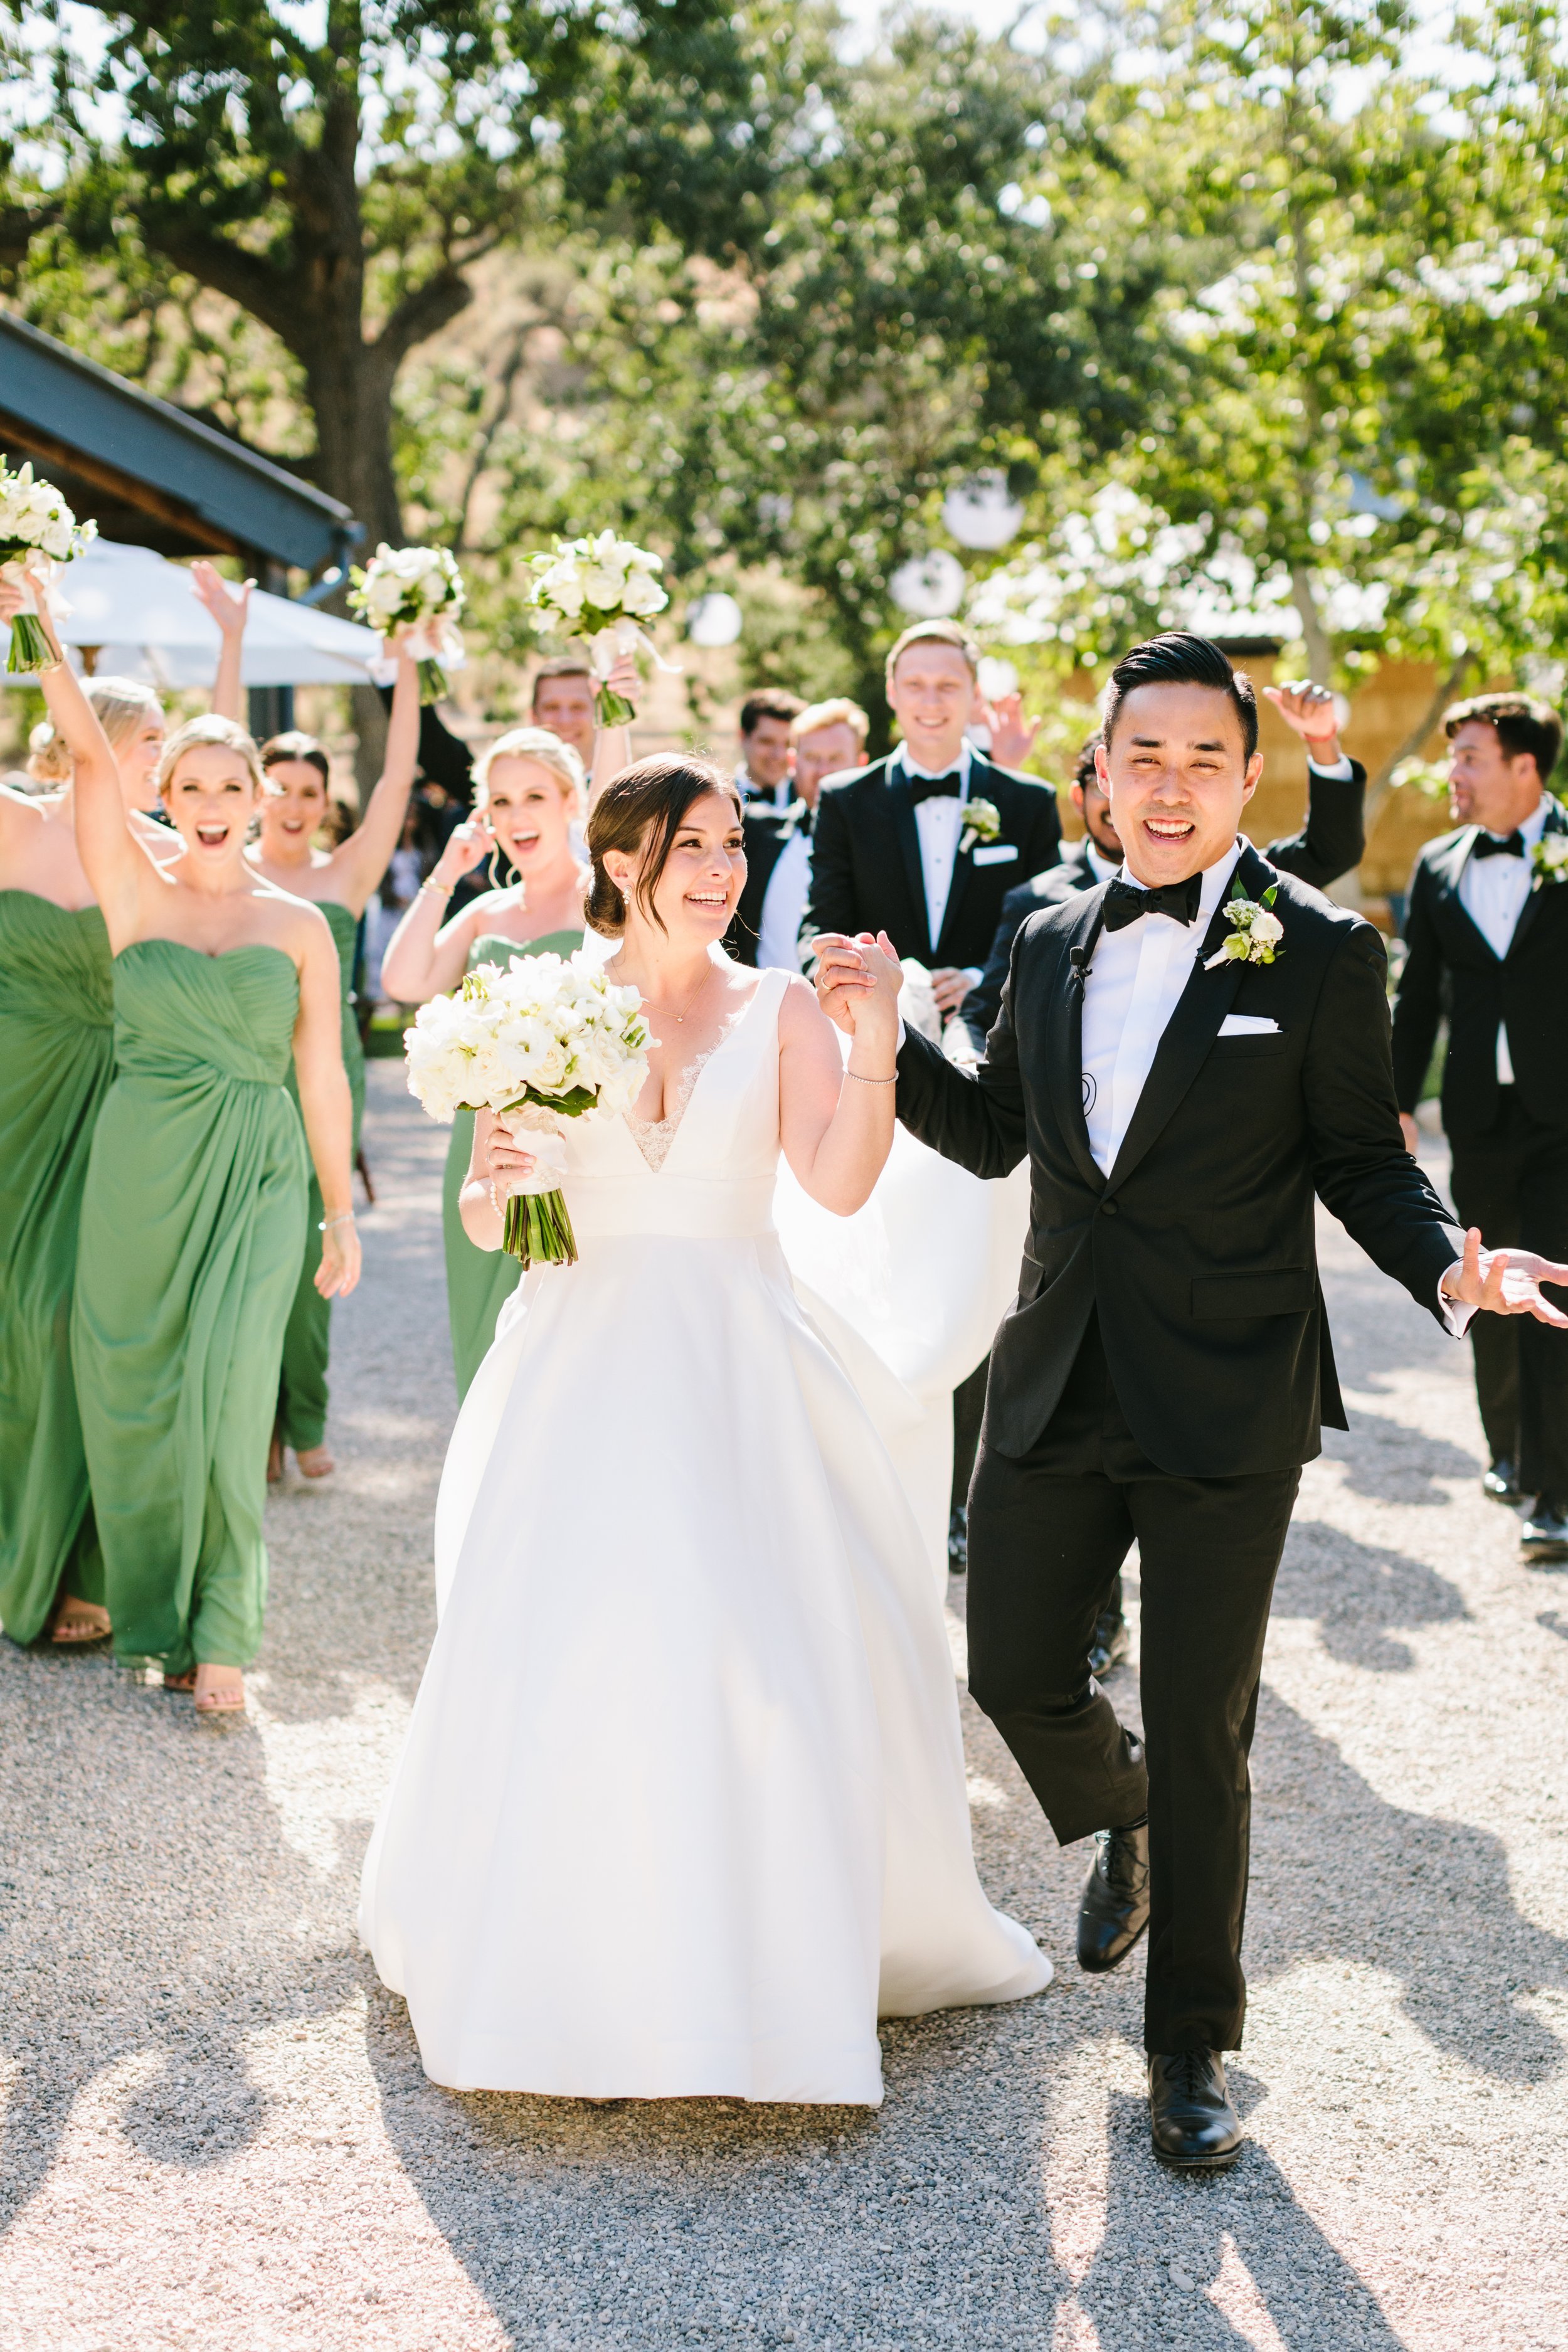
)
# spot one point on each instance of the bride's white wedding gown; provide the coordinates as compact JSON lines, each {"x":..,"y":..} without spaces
{"x":682,"y":1807}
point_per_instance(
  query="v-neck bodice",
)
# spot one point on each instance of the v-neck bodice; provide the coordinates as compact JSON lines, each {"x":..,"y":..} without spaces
{"x":715,"y":1174}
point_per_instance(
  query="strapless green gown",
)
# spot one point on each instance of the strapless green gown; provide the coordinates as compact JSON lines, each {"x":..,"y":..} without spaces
{"x":56,"y":1056}
{"x":306,"y":1342}
{"x":192,"y":1230}
{"x":480,"y":1282}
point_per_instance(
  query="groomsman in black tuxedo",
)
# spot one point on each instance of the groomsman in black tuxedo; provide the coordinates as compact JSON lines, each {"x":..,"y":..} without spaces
{"x":1166,"y":1367}
{"x":1486,"y":927}
{"x":767,"y":750}
{"x":827,"y":739}
{"x":896,"y":849}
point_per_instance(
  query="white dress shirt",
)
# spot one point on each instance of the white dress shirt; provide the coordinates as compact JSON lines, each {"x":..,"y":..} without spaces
{"x":1099,"y":865}
{"x":1130,"y":992}
{"x":938,"y":823}
{"x":783,"y":904}
{"x":1492,"y":892}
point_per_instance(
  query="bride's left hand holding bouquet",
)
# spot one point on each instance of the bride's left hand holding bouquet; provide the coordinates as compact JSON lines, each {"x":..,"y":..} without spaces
{"x":38,"y":532}
{"x":419,"y":589}
{"x":545,"y":1040}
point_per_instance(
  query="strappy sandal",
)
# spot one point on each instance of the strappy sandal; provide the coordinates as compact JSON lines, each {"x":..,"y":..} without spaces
{"x":220,"y":1706}
{"x":79,"y":1622}
{"x":315,"y":1477}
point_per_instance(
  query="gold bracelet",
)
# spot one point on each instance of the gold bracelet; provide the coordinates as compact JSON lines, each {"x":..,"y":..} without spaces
{"x":442,"y":889}
{"x":861,"y":1081}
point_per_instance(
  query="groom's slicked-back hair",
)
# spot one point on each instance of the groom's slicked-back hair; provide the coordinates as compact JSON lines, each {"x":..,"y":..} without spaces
{"x":1179,"y":659}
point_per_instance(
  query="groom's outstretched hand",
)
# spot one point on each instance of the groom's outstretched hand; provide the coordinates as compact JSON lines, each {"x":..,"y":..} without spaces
{"x":844,"y":974}
{"x":1507,"y":1284}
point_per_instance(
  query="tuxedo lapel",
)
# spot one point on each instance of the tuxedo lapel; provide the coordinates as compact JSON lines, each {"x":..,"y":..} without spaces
{"x":1064,"y":1036}
{"x":1556,"y":821}
{"x":902,"y":809}
{"x":1194,"y":1025}
{"x":1450,"y":871}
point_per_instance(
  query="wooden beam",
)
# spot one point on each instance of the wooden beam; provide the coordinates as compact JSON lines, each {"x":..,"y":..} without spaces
{"x":58,"y":457}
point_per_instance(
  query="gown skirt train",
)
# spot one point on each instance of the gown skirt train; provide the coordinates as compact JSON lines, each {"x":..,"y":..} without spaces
{"x":681,"y":1808}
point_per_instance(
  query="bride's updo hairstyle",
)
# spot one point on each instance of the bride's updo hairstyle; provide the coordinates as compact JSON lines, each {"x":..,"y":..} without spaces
{"x":640,"y":814}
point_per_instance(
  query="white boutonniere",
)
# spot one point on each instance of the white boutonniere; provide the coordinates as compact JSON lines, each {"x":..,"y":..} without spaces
{"x":1256,"y":933}
{"x":981,"y":821}
{"x":1549,"y":861}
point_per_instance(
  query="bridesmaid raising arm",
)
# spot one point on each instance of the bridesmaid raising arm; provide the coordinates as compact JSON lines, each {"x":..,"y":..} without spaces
{"x":194,"y":1209}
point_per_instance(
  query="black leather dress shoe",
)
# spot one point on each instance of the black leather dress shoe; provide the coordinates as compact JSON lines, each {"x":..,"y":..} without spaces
{"x":1191,"y":2120}
{"x":1111,"y":1643}
{"x":1544,"y":1535}
{"x":1501,"y":1482}
{"x":1114,"y":1910}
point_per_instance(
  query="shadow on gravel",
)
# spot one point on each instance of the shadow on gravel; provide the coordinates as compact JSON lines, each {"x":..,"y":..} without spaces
{"x":1389,"y":1462}
{"x":1338,"y":1873}
{"x":1241,"y":2236}
{"x":1359,"y":1594}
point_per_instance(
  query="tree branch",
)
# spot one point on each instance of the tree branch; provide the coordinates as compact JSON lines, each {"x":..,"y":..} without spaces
{"x":421,"y":314}
{"x":267,"y":294}
{"x":487,"y":440}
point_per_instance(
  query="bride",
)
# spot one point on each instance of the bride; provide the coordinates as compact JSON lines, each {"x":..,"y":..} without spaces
{"x":681,"y":1809}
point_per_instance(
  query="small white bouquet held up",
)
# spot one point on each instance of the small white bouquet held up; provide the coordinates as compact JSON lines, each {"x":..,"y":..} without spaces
{"x":419,"y":589}
{"x":38,"y":532}
{"x":543,"y":1041}
{"x":601,"y":590}
{"x":1256,"y":931}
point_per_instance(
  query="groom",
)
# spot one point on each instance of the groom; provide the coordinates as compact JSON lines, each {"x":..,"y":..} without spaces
{"x":1163,"y":1373}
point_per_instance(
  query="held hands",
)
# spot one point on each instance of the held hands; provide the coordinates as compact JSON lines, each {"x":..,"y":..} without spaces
{"x":339,"y":1270}
{"x":858,"y":983}
{"x":1511,"y":1283}
{"x":230,"y":607}
{"x":1310,"y":712}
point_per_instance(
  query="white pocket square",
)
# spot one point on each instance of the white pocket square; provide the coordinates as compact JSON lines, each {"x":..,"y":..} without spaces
{"x":1001,"y":852}
{"x":1248,"y":1024}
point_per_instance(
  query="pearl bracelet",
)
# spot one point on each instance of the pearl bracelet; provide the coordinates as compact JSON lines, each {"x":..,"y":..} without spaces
{"x":344,"y":1217}
{"x":862,"y":1081}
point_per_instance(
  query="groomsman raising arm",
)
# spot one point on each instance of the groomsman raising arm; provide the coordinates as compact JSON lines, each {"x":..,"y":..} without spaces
{"x":1186,"y":1054}
{"x":924,"y":845}
{"x":1487,"y":933}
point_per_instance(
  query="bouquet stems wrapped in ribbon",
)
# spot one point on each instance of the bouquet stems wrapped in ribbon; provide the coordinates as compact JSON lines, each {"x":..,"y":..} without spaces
{"x":601,"y":590}
{"x":419,"y":589}
{"x":544,"y":1041}
{"x":38,"y":532}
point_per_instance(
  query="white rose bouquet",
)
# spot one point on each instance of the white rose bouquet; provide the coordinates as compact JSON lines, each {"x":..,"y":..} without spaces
{"x":38,"y":532}
{"x":600,"y":590}
{"x":419,"y":589}
{"x":548,"y":1039}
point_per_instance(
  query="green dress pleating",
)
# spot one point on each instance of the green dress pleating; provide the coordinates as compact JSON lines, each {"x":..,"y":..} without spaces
{"x":56,"y":1056}
{"x":302,"y":1391}
{"x":480,"y":1282}
{"x":192,"y":1229}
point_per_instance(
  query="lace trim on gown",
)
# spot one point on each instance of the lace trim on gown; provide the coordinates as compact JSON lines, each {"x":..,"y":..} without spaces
{"x":653,"y":1137}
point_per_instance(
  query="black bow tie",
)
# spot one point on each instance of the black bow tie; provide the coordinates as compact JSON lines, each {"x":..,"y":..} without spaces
{"x":1488,"y":845}
{"x":1124,"y":902}
{"x":925,"y":788}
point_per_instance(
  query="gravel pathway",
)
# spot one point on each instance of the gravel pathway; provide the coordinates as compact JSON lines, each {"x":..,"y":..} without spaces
{"x":214,"y":2125}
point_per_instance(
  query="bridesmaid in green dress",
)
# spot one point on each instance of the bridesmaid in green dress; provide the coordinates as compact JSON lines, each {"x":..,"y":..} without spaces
{"x":194,"y":1207}
{"x":56,"y":1039}
{"x":340,"y":882}
{"x":528,"y":788}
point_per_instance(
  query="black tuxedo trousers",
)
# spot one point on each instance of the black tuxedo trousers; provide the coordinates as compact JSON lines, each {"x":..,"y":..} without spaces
{"x":1048,"y":1531}
{"x":1511,"y":1181}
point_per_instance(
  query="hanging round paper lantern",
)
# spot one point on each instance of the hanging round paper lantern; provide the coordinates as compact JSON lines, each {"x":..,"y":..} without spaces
{"x":983,"y":512}
{"x":929,"y":587}
{"x":714,"y":620}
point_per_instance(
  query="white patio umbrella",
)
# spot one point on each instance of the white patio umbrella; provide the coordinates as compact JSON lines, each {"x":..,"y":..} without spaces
{"x":139,"y":613}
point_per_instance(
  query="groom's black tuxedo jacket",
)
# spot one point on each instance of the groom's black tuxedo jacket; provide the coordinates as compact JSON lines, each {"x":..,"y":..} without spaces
{"x":867,"y":876}
{"x":1451,"y":969}
{"x":1197,"y":1250}
{"x":768,"y":831}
